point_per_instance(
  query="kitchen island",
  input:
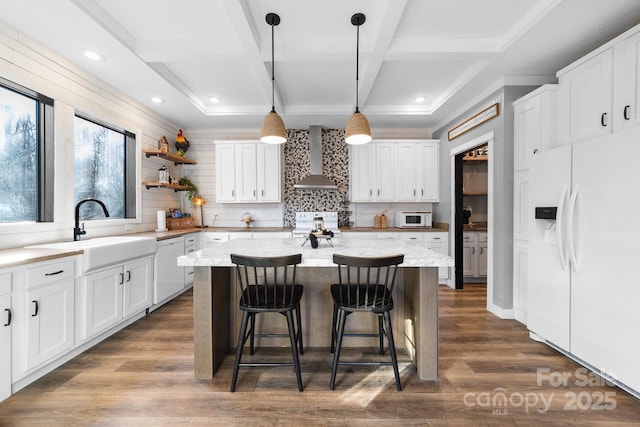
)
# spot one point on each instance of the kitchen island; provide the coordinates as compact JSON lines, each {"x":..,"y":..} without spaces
{"x":416,"y":297}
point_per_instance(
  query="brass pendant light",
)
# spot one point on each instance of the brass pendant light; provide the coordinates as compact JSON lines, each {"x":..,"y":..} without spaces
{"x":358,"y":130}
{"x":273,"y":130}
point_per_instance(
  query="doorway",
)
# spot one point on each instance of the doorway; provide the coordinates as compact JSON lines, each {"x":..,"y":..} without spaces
{"x":472,"y":212}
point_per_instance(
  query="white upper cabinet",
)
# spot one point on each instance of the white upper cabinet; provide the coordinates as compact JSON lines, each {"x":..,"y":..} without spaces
{"x":600,"y":93}
{"x":395,"y":171}
{"x":586,"y":97}
{"x":248,"y":171}
{"x":627,"y":83}
{"x":535,"y":124}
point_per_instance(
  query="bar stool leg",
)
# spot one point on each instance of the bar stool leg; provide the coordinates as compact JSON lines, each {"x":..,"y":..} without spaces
{"x":294,"y":348}
{"x":392,"y":349}
{"x":299,"y":333}
{"x":336,"y":355}
{"x":334,"y":323}
{"x":239,"y":346}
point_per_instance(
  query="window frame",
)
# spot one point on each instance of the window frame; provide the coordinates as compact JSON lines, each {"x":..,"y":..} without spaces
{"x":46,"y":151}
{"x":130,"y":155}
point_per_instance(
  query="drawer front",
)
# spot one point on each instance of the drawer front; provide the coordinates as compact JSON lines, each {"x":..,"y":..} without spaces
{"x":5,"y":283}
{"x":50,"y":272}
{"x":435,"y":237}
{"x":190,"y":241}
{"x":482,"y":237}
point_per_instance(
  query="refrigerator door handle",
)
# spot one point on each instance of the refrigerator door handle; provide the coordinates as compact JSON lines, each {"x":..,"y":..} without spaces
{"x":564,"y":263}
{"x":571,"y":241}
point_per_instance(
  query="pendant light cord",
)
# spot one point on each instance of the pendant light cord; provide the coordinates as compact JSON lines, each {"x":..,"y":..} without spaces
{"x":357,"y":63}
{"x":273,"y":73}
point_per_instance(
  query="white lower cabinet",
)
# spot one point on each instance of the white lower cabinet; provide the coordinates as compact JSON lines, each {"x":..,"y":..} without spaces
{"x":5,"y":335}
{"x":49,"y":326}
{"x":474,"y":255}
{"x":190,"y":245}
{"x":111,"y":295}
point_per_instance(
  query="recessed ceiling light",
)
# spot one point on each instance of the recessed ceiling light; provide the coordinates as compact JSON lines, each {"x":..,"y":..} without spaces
{"x":419,"y":99}
{"x":94,"y":56}
{"x":214,"y":99}
{"x":157,"y":100}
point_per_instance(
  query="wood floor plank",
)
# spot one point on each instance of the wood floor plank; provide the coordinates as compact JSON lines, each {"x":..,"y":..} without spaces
{"x":143,"y":376}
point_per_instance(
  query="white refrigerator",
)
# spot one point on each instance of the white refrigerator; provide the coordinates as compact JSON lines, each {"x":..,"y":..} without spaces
{"x":584,"y":265}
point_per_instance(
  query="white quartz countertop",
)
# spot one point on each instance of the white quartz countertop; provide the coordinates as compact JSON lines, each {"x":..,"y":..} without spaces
{"x":416,"y":254}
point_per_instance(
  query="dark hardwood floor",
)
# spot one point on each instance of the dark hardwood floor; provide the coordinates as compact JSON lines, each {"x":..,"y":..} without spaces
{"x":491,"y":373}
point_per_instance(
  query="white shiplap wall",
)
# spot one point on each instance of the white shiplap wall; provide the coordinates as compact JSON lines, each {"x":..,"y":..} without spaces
{"x":27,"y":63}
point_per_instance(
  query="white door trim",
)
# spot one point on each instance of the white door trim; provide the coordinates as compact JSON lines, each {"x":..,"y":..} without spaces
{"x":487,"y":138}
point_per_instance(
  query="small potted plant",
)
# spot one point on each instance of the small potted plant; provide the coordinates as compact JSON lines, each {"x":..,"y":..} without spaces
{"x":192,"y":190}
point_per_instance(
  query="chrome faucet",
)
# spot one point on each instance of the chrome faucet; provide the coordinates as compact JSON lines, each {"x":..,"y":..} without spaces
{"x":77,"y":231}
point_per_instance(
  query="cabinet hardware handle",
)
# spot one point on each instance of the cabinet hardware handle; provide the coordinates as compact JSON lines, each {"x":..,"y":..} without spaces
{"x":121,"y":278}
{"x":128,"y":275}
{"x":37,"y":308}
{"x":254,"y":193}
{"x":414,"y":192}
{"x":625,"y":112}
{"x":473,"y":250}
{"x":378,"y":191}
{"x":422,"y":192}
{"x":436,"y":238}
{"x":8,"y":310}
{"x":603,"y":120}
{"x":54,"y":273}
{"x":262,"y":192}
{"x":190,"y":273}
{"x":233,"y":193}
{"x":535,"y":151}
{"x":481,"y":250}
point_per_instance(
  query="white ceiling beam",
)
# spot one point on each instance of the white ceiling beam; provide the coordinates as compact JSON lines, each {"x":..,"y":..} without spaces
{"x":390,"y":22}
{"x":240,"y":17}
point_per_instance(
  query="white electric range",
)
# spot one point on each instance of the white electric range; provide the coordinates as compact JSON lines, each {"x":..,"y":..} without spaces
{"x":304,"y":222}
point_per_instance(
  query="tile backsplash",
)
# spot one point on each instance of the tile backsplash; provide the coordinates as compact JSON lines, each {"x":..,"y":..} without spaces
{"x":335,"y":166}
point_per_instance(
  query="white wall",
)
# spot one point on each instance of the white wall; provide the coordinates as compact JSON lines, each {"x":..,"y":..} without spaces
{"x":25,"y":62}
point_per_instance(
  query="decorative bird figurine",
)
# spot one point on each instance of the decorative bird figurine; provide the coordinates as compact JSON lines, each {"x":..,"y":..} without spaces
{"x":182,"y":145}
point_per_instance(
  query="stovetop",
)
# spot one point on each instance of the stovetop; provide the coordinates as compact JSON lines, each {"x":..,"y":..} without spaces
{"x":304,"y":222}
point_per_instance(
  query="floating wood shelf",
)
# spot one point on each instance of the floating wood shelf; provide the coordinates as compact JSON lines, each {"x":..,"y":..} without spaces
{"x":477,"y":159}
{"x":177,"y":160}
{"x":174,"y":187}
{"x":474,"y":194}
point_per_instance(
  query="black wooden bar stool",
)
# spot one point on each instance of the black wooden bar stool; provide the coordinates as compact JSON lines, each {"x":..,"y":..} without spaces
{"x":268,"y":285}
{"x":366,"y":285}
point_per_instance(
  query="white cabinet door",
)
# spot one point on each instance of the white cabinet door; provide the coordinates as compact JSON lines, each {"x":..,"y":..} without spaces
{"x":482,"y":256}
{"x":246,"y":173}
{"x":138,"y":285}
{"x":626,"y":98}
{"x":385,"y":172}
{"x":407,"y":172}
{"x":469,"y":255}
{"x":268,"y":173}
{"x":102,"y":301}
{"x":586,"y":97}
{"x":527,"y":131}
{"x":225,"y":173}
{"x":428,"y":172}
{"x":49,"y":323}
{"x":5,"y":344}
{"x":362,"y":164}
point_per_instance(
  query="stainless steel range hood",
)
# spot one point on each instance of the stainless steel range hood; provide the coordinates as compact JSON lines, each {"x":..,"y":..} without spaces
{"x":315,"y":181}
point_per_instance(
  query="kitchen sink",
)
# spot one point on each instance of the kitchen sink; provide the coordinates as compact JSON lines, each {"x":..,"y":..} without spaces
{"x":104,"y":251}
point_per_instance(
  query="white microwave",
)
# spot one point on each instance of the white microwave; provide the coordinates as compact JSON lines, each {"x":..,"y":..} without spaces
{"x":413,"y":219}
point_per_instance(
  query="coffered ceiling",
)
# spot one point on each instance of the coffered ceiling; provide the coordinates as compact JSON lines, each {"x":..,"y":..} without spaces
{"x":450,"y":52}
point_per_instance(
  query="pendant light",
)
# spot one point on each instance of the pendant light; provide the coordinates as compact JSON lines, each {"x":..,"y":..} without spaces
{"x":358,"y":130}
{"x":273,"y":130}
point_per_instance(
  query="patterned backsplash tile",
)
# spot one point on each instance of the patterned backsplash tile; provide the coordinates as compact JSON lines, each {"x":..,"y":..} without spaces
{"x":335,"y":166}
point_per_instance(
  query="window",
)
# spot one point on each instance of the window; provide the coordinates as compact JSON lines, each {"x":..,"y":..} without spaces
{"x":26,"y":155}
{"x":104,"y":162}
